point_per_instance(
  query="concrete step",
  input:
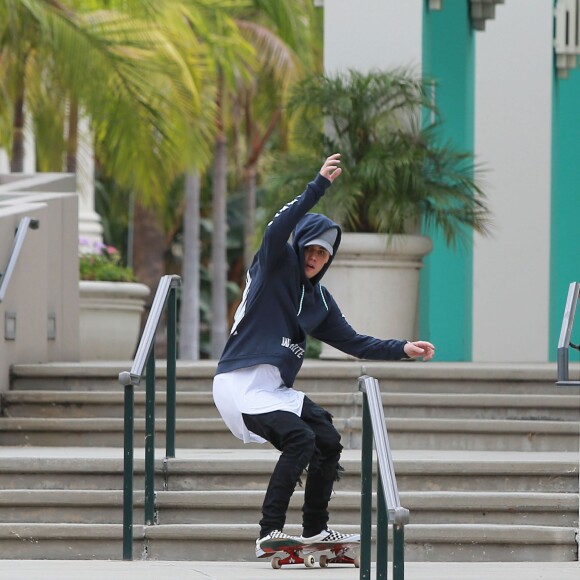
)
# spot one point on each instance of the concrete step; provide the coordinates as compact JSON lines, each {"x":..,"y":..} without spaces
{"x":40,"y":541}
{"x":316,"y":376}
{"x":66,"y":506}
{"x":474,"y":434}
{"x":434,"y":485}
{"x":441,"y":542}
{"x":51,"y":468}
{"x":100,"y":404}
{"x":64,"y":473}
{"x":486,"y":458}
{"x":243,"y":507}
{"x":409,"y":433}
{"x":415,"y":470}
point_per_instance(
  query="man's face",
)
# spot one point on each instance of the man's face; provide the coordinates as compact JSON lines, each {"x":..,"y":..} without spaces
{"x":315,"y":258}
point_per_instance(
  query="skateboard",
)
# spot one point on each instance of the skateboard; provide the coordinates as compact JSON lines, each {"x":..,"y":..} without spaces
{"x":290,"y":552}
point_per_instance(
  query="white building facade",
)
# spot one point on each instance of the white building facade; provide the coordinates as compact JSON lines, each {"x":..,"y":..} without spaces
{"x":501,"y":94}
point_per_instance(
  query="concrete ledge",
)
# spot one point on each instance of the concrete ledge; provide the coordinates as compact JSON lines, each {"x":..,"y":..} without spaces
{"x":433,"y":542}
{"x":404,"y":433}
{"x":28,"y":532}
{"x":320,"y":369}
{"x":184,"y":542}
{"x":469,"y":501}
{"x":391,"y":401}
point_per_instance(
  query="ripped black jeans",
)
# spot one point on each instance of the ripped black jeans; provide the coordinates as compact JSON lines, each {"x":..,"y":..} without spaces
{"x":309,"y":440}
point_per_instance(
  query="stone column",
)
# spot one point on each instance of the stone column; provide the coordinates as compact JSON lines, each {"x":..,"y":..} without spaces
{"x":4,"y":162}
{"x":90,"y":228}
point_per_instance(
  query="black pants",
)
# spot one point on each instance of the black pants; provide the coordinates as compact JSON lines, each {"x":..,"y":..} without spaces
{"x":309,"y":440}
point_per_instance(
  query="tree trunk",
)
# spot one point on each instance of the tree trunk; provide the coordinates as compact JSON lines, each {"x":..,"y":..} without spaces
{"x":258,"y":146}
{"x":219,"y":250}
{"x":148,"y":257}
{"x":249,"y":216}
{"x":189,"y":315}
{"x":72,"y":137}
{"x":17,"y":157}
{"x":219,"y":256}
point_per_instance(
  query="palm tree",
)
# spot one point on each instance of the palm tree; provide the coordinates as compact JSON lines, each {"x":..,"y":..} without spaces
{"x":228,"y":68}
{"x":288,"y":40}
{"x":278,"y":32}
{"x":228,"y":59}
{"x":242,"y":82}
{"x":115,"y":65}
{"x":138,"y":69}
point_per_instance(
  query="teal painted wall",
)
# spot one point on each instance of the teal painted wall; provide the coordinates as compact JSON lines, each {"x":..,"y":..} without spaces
{"x":565,"y":217}
{"x":447,"y":278}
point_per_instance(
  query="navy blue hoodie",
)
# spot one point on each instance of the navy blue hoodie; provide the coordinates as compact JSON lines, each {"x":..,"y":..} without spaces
{"x":280,"y":305}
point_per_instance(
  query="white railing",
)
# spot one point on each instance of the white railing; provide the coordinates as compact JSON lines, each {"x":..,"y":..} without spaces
{"x":564,"y":343}
{"x":566,"y":36}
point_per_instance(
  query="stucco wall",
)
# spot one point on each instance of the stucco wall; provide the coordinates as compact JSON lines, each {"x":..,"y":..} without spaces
{"x":45,"y":279}
{"x":513,"y":139}
{"x":369,"y":34}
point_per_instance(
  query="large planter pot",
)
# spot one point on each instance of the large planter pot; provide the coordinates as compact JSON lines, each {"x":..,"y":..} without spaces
{"x":375,"y":281}
{"x":110,"y":319}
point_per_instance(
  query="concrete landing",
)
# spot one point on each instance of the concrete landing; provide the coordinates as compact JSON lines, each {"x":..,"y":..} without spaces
{"x":97,"y":570}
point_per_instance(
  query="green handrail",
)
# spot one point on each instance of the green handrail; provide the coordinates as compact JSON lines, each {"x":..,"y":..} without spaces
{"x":389,"y":509}
{"x":366,"y":494}
{"x":145,"y":363}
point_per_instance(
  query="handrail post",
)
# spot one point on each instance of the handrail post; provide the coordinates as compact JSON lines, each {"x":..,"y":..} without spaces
{"x":171,"y":373}
{"x":150,"y":440}
{"x":366,"y":493}
{"x":382,"y":532}
{"x":398,"y":552}
{"x":128,"y":473}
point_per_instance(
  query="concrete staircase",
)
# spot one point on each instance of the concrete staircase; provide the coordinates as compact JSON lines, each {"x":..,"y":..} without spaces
{"x":486,"y":459}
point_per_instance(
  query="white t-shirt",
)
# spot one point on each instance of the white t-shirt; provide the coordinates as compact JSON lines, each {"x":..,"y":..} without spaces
{"x":253,"y":390}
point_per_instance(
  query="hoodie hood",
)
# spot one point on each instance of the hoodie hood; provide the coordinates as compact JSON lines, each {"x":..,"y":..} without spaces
{"x":310,"y":227}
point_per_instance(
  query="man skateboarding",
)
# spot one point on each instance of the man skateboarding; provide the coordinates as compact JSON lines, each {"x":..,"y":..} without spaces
{"x":283,"y":302}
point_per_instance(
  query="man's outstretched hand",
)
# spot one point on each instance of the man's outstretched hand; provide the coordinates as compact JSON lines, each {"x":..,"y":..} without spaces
{"x":331,"y":169}
{"x":420,"y":348}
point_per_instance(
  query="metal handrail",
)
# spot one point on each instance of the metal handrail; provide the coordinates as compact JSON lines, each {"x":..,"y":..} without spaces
{"x":21,"y":231}
{"x":564,"y":343}
{"x":144,"y":363}
{"x":389,"y":509}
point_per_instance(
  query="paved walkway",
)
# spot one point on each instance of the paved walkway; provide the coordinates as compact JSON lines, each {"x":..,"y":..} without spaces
{"x":107,"y":570}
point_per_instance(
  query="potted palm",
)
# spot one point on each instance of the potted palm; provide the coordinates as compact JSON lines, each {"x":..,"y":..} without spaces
{"x":398,"y":179}
{"x":111,"y":304}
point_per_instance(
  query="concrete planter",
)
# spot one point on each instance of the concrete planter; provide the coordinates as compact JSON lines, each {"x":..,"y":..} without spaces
{"x":375,"y":280}
{"x":110,"y":319}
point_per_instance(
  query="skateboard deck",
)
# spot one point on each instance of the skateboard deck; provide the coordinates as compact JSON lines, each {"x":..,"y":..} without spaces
{"x":287,"y":552}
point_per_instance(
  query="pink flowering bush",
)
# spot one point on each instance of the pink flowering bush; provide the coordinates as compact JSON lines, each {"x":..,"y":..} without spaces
{"x":100,"y":262}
